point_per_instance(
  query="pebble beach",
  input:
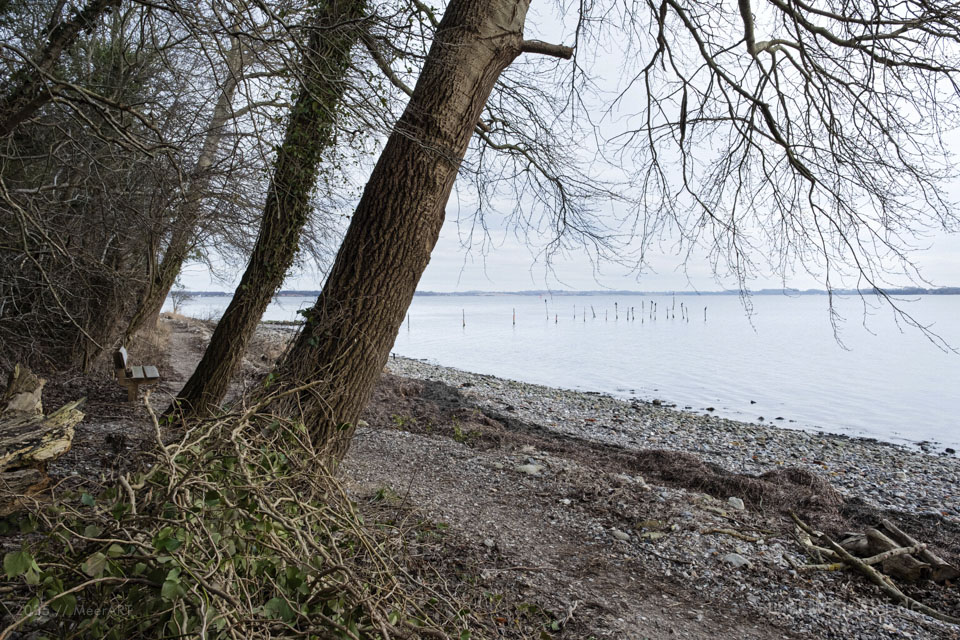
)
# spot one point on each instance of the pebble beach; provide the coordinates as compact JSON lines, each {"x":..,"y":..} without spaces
{"x":887,"y":475}
{"x":743,"y":563}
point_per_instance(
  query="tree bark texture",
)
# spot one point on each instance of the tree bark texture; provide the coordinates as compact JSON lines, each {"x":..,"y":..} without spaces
{"x":349,"y":332}
{"x":184,"y":228}
{"x":28,"y":91}
{"x":310,"y":133}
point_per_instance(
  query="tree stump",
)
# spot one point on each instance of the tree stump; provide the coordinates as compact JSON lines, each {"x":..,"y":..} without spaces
{"x":23,"y":392}
{"x":28,"y":439}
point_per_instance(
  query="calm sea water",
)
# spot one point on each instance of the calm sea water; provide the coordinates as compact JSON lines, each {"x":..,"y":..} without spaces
{"x":782,"y":361}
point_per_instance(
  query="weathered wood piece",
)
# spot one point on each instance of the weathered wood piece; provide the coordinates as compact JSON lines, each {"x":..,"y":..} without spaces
{"x":857,"y":544}
{"x":904,"y":567}
{"x":941,"y":570}
{"x":28,"y":439}
{"x":885,"y":584}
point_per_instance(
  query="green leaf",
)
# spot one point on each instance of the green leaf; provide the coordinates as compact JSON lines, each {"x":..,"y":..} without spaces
{"x":65,"y":605}
{"x":278,"y":608}
{"x":17,"y":563}
{"x":28,"y":524}
{"x":93,"y":566}
{"x":32,"y":606}
{"x":171,"y":590}
{"x":115,"y":550}
{"x":88,"y":500}
{"x":92,"y":531}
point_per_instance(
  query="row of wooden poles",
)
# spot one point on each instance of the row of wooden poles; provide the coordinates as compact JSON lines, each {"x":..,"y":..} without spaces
{"x":631,"y":313}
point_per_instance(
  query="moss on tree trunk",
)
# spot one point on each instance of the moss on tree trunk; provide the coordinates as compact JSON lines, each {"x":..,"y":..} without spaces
{"x":309,"y":134}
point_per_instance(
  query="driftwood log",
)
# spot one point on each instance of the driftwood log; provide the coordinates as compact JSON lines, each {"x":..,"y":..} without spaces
{"x":844,"y":556}
{"x":873,"y":542}
{"x":28,"y":439}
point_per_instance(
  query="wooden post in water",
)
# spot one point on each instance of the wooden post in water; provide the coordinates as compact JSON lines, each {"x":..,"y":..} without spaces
{"x":514,"y":316}
{"x":606,"y":315}
{"x":546,"y":310}
{"x":556,"y":318}
{"x":464,"y":318}
{"x":616,"y":312}
{"x":408,"y":322}
{"x":704,"y":314}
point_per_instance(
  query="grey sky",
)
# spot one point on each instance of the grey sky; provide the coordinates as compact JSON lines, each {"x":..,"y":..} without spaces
{"x":510,"y":265}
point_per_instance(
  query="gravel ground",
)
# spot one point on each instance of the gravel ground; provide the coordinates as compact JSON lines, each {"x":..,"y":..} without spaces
{"x":552,"y":481}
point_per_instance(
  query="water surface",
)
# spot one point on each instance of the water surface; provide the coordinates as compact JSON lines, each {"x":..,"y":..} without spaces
{"x":782,"y":361}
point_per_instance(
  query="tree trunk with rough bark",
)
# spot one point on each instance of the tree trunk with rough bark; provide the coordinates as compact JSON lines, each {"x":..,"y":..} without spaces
{"x":164,"y":274}
{"x":348,"y":334}
{"x":310,"y":133}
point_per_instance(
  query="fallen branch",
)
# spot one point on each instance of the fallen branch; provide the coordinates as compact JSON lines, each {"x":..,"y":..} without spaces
{"x":732,"y":532}
{"x":942,"y":570}
{"x":872,"y":560}
{"x":886,"y":584}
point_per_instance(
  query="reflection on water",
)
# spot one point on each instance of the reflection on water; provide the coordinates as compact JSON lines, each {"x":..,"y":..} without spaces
{"x":784,"y":361}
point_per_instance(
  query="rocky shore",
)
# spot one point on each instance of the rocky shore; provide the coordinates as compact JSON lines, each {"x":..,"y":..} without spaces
{"x":629,"y":520}
{"x":568,"y":515}
{"x":886,"y":475}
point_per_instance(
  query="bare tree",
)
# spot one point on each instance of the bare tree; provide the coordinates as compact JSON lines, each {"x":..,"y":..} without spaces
{"x":784,"y":135}
{"x":183,"y":227}
{"x":135,"y":150}
{"x":349,"y":332}
{"x":27,"y":90}
{"x":309,"y":136}
{"x":823,"y":155}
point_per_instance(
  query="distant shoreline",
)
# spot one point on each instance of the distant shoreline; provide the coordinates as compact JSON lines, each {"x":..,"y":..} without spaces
{"x":903,"y":291}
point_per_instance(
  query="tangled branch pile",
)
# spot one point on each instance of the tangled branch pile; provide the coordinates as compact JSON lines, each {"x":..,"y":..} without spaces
{"x":895,"y":557}
{"x":234,"y":531}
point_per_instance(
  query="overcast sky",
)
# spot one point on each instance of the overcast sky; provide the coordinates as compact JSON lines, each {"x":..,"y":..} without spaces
{"x":510,"y":265}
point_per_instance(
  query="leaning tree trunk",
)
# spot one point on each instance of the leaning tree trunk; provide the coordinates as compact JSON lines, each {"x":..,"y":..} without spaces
{"x":164,"y":274}
{"x":310,"y":132}
{"x":28,"y":91}
{"x":349,"y":332}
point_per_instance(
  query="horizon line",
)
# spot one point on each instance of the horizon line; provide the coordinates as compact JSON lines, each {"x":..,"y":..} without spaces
{"x":946,"y":290}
